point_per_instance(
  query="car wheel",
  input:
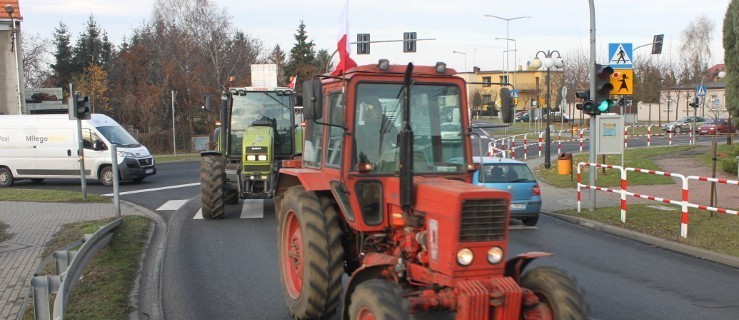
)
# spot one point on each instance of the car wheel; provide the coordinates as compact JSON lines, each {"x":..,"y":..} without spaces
{"x":530,"y":222}
{"x":677,"y":130}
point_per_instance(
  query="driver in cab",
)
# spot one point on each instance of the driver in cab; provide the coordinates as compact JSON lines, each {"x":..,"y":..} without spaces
{"x":374,"y":133}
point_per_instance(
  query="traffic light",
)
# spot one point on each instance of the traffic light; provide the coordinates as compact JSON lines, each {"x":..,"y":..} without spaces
{"x":363,"y":46}
{"x":409,"y":42}
{"x":587,"y":106}
{"x":79,"y":107}
{"x":507,"y":108}
{"x":603,"y":87}
{"x":657,"y":43}
{"x":695,"y":103}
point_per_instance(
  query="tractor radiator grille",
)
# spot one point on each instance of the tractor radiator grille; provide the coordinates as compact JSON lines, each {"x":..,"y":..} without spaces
{"x":483,"y":220}
{"x":256,"y":168}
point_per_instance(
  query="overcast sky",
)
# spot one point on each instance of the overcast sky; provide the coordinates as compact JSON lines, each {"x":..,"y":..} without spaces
{"x":455,"y":25}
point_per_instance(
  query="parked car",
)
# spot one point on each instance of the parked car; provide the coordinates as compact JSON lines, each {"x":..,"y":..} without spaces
{"x":557,"y":117}
{"x":451,"y":131}
{"x":683,"y":124}
{"x":714,"y":126}
{"x":518,"y":115}
{"x":515,"y":177}
{"x":526,"y":117}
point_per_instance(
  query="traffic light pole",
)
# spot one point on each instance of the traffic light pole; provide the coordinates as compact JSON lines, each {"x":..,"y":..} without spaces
{"x":80,"y":145}
{"x":593,"y":130}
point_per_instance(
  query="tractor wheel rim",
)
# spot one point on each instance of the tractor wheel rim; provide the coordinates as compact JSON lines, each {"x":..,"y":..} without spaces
{"x":545,"y":307}
{"x":365,"y":314}
{"x":292,"y":263}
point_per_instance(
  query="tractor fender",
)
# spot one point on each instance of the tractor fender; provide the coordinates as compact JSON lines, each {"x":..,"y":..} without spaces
{"x":311,"y":179}
{"x":206,"y":153}
{"x":514,"y":267}
{"x":372,"y":267}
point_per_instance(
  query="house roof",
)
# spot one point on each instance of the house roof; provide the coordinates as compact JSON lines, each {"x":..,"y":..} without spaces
{"x":16,"y":10}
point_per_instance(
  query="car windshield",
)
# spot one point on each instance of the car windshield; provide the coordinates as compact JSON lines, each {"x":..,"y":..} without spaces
{"x":506,"y":173}
{"x":436,"y":120}
{"x":261,"y":105}
{"x":119,"y":136}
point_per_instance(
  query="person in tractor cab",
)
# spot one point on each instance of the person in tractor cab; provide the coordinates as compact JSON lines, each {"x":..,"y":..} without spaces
{"x":375,"y":133}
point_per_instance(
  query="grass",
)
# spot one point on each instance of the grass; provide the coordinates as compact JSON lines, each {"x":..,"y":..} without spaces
{"x":103,"y":291}
{"x":717,"y":233}
{"x":725,"y":157}
{"x":38,"y":195}
{"x":179,"y":157}
{"x":637,"y":158}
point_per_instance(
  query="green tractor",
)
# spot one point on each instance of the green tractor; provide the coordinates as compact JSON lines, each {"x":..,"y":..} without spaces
{"x":258,"y":130}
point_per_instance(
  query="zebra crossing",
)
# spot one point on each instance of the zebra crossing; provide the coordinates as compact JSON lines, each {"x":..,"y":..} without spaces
{"x":248,"y":209}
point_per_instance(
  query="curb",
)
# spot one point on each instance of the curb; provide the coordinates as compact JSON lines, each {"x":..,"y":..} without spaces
{"x":659,"y":242}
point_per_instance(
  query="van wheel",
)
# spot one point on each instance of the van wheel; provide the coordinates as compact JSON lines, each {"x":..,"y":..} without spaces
{"x":6,"y":177}
{"x":106,"y":176}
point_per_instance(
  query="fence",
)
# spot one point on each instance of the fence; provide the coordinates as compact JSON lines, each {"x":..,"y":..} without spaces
{"x":684,"y":202}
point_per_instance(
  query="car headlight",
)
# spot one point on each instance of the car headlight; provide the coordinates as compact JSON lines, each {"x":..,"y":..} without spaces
{"x":465,"y":257}
{"x":251,"y":157}
{"x":495,"y":255}
{"x":124,"y":154}
{"x":262,"y":157}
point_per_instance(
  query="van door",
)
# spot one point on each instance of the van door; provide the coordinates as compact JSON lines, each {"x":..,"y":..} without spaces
{"x":17,"y":151}
{"x":93,"y":158}
{"x":55,"y":152}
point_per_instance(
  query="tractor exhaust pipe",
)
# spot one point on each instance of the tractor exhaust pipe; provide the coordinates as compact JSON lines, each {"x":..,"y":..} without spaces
{"x":406,"y":146}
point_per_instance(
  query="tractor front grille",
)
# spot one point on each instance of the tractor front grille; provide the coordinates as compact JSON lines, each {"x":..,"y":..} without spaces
{"x":483,"y":220}
{"x":248,"y":169}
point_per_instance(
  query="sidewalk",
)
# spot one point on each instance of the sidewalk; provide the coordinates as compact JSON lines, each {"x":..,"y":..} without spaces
{"x":31,"y":225}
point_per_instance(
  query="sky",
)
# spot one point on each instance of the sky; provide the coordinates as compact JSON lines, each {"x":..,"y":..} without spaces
{"x":459,"y":26}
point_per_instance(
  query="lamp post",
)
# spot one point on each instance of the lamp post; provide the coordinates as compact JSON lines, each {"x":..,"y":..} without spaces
{"x":549,"y":62}
{"x":721,"y":75}
{"x":13,"y":48}
{"x":515,"y":53}
{"x":507,"y":20}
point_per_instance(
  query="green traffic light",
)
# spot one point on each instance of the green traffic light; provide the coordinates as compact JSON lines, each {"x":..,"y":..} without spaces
{"x":605,"y":105}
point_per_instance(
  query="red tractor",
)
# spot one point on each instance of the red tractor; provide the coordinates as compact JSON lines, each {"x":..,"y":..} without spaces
{"x":383,"y":194}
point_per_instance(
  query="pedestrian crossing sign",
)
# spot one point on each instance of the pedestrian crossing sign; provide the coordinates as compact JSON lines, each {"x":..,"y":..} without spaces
{"x":620,"y":55}
{"x":622,"y":81}
{"x":700,"y":91}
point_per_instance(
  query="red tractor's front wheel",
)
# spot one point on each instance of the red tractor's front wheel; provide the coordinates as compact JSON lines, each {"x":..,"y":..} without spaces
{"x":310,"y":254}
{"x":559,"y":295}
{"x":379,"y":300}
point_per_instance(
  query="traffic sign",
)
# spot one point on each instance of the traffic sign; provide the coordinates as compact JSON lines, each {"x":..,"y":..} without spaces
{"x":623,"y":81}
{"x":514,"y":93}
{"x":716,"y":102}
{"x":620,"y":55}
{"x":700,"y":91}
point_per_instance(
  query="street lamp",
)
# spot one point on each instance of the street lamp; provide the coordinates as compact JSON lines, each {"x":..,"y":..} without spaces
{"x":13,"y":48}
{"x":507,"y":20}
{"x":721,"y":75}
{"x":515,"y":53}
{"x":465,"y":58}
{"x":549,"y":62}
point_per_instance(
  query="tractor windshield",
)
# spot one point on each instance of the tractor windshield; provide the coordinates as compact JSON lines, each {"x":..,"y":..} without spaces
{"x":262,"y":105}
{"x":435,"y":119}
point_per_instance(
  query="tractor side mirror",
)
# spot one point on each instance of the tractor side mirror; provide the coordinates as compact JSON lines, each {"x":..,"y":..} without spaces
{"x":208,"y":102}
{"x":312,"y":99}
{"x":506,"y":105}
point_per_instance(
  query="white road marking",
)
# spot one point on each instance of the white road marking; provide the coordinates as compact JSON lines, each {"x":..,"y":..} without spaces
{"x":155,"y":189}
{"x":252,"y":209}
{"x":199,"y":215}
{"x":172,"y":205}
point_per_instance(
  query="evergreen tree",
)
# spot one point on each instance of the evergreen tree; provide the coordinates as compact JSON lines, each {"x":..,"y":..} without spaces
{"x":89,"y":49}
{"x":303,"y":60}
{"x":62,"y":68}
{"x":278,"y":57}
{"x":731,"y":58}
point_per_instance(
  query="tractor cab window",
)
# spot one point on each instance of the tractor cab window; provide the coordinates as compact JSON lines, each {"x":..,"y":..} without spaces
{"x":435,"y":119}
{"x":265,"y":106}
{"x":335,"y":134}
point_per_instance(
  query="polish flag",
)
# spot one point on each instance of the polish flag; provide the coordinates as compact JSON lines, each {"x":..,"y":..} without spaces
{"x":293,"y":81}
{"x":345,"y":62}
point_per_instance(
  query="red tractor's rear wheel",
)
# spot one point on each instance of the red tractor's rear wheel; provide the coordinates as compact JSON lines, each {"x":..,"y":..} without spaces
{"x":310,"y":254}
{"x":379,"y":300}
{"x":560,"y":296}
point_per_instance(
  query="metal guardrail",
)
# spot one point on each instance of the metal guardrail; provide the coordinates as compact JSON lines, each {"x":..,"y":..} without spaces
{"x":69,"y":264}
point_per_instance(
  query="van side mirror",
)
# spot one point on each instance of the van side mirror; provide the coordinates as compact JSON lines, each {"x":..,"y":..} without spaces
{"x":312,"y":99}
{"x":208,"y":102}
{"x":98,"y":145}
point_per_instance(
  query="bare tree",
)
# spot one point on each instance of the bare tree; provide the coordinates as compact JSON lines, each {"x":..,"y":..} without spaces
{"x":36,"y":60}
{"x":695,"y":50}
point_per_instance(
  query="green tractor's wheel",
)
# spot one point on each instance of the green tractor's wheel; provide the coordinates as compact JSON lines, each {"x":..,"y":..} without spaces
{"x":212,"y":186}
{"x":232,"y":196}
{"x":310,"y":254}
{"x":379,"y":300}
{"x":560,"y":296}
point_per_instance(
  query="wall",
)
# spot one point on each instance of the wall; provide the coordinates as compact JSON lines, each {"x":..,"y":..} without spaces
{"x":9,"y":103}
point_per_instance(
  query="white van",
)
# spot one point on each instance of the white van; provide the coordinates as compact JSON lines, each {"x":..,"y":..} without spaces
{"x":37,"y":147}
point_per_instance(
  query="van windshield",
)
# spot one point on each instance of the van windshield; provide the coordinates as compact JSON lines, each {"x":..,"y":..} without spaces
{"x":118,"y":135}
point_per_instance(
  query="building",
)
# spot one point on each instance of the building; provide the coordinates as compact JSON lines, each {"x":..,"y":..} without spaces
{"x":12,"y":99}
{"x":483,"y":90}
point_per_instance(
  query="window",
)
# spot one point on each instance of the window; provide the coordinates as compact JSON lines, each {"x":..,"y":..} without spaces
{"x":504,"y":79}
{"x":486,"y":81}
{"x":335,"y":134}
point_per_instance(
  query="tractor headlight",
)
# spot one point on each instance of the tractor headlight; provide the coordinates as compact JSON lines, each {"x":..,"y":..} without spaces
{"x":495,"y":255}
{"x":251,"y":157}
{"x":262,"y":157}
{"x":465,"y":257}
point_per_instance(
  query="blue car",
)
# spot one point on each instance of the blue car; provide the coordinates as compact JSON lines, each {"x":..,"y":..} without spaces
{"x":515,"y":177}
